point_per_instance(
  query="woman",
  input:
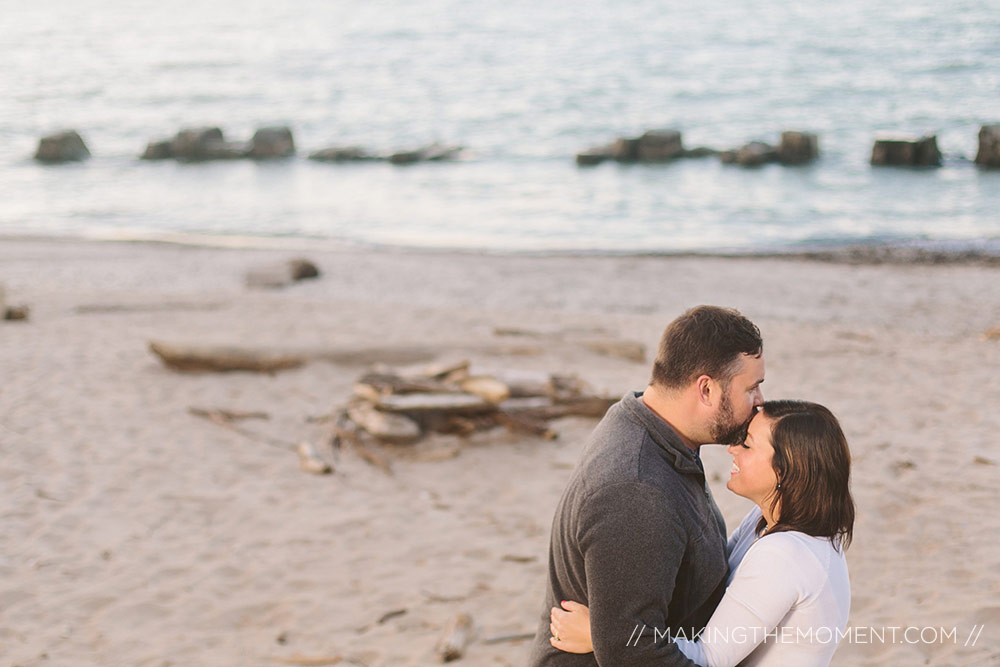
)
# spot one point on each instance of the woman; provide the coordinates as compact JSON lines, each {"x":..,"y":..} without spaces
{"x":788,"y":593}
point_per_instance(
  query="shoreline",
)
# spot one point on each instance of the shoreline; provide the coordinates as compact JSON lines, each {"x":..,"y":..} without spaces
{"x":876,"y":253}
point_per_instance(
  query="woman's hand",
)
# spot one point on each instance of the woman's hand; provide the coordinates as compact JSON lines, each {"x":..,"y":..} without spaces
{"x":570,"y":628}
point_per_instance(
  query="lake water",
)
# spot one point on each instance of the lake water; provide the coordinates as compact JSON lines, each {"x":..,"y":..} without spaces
{"x":523,"y":86}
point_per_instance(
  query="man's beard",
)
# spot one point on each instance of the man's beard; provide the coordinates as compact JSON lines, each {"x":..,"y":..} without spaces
{"x":725,"y":429}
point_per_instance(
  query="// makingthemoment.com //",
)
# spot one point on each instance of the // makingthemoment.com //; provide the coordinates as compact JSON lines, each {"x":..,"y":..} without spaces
{"x":890,"y":634}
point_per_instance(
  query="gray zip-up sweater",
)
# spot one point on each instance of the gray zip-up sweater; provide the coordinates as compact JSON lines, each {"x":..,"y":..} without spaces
{"x":638,"y":538}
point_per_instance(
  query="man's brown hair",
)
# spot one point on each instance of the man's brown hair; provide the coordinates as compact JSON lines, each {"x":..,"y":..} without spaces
{"x":706,"y":340}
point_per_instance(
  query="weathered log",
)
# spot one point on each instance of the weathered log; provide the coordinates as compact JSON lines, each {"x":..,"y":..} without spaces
{"x":456,"y":637}
{"x":521,"y":383}
{"x":545,"y":408}
{"x":521,"y":423}
{"x":383,"y":425}
{"x":425,"y":404}
{"x":444,"y":370}
{"x":988,"y":154}
{"x":146,"y":307}
{"x":310,"y":461}
{"x":382,"y":384}
{"x":221,"y":415}
{"x":235,"y":357}
{"x":65,"y":146}
{"x":486,"y":387}
{"x":223,"y":358}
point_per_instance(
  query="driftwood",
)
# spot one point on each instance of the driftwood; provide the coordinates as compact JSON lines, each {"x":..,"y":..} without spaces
{"x":424,"y":404}
{"x":310,"y":461}
{"x":991,"y":334}
{"x":398,"y":408}
{"x":488,"y":388}
{"x":222,"y":359}
{"x":168,"y":306}
{"x":455,"y":639}
{"x":545,"y":408}
{"x":525,"y":424}
{"x":220,"y":415}
{"x":226,"y":420}
{"x":13,"y":313}
{"x":384,"y":426}
{"x":311,"y":661}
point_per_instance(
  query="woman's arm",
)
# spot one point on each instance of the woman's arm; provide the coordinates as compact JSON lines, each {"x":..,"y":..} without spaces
{"x":570,"y":628}
{"x":763,"y":589}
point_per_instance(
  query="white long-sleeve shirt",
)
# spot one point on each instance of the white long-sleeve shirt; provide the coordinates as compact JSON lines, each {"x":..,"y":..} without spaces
{"x":787,"y":602}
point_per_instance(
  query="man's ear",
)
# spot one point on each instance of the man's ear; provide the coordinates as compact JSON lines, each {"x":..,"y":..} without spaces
{"x":706,"y":390}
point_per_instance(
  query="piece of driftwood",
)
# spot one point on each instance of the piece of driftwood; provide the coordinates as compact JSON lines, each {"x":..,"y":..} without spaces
{"x":447,"y":369}
{"x":488,"y":388}
{"x":169,"y":306}
{"x":525,"y":424}
{"x":389,"y":615}
{"x":991,"y":334}
{"x":385,"y":426}
{"x":222,"y":358}
{"x":546,"y":408}
{"x":227,"y":421}
{"x":399,"y":407}
{"x":456,"y":637}
{"x":389,"y":383}
{"x":15,"y":313}
{"x":310,"y":461}
{"x":222,"y":415}
{"x":422,"y":404}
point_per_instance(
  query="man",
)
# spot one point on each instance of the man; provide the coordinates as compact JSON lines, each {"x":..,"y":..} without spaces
{"x":637,"y":536}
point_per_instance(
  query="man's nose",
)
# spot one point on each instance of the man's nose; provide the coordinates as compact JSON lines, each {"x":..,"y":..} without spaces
{"x":758,"y":398}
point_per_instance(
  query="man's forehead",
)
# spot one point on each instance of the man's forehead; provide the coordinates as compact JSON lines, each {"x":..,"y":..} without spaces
{"x":752,"y":365}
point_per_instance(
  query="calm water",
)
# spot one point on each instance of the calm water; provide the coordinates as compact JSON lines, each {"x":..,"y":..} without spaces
{"x":523,"y":85}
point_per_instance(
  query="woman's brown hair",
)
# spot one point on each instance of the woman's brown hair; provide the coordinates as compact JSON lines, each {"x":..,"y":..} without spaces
{"x":813,"y":466}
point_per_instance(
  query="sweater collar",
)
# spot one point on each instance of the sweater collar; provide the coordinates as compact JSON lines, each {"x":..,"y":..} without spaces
{"x":682,"y":458}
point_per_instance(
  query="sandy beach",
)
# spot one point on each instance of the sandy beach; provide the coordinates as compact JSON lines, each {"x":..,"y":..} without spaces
{"x":136,"y":533}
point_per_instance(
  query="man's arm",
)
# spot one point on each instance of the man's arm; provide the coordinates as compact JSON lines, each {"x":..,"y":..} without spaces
{"x":632,"y":545}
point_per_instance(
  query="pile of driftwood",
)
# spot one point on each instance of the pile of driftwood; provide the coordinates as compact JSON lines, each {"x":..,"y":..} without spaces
{"x":397,"y":407}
